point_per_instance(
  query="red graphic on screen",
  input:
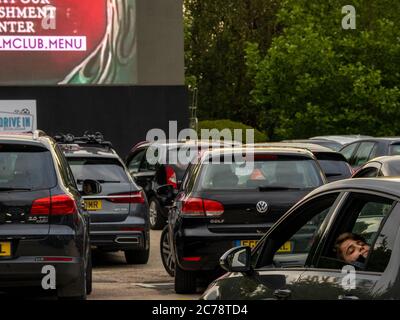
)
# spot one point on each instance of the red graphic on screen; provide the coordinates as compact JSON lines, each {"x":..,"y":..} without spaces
{"x":73,"y":18}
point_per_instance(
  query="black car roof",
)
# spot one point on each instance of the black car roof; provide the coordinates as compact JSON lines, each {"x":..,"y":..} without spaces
{"x":386,"y":185}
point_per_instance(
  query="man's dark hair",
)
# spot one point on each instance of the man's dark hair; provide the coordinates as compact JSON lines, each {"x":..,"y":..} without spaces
{"x":342,"y":238}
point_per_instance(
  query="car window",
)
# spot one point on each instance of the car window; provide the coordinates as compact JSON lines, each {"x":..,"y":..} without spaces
{"x":104,"y":170}
{"x":359,"y":231}
{"x":394,"y":150}
{"x":291,"y":241}
{"x":365,"y":152}
{"x":65,"y":169}
{"x":335,"y":170}
{"x":370,"y":172}
{"x":26,"y":167}
{"x":263,"y":172}
{"x":349,"y":150}
{"x":134,"y":163}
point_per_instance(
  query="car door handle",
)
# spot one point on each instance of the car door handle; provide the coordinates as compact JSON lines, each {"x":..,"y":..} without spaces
{"x":282,"y":293}
{"x":346,"y":297}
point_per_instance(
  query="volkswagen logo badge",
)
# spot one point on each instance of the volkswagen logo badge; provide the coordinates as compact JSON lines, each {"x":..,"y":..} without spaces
{"x":262,"y":207}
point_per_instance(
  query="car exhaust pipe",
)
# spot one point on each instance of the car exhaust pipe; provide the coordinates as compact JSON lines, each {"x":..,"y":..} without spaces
{"x":127,"y":240}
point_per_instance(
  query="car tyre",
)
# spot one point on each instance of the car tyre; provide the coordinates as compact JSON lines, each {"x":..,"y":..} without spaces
{"x":157,"y":220}
{"x":167,"y":258}
{"x":185,"y":281}
{"x":137,"y":256}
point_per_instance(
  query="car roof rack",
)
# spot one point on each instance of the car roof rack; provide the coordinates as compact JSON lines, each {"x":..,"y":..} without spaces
{"x":88,"y":139}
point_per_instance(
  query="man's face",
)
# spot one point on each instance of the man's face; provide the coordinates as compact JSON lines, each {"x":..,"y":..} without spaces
{"x":353,"y":250}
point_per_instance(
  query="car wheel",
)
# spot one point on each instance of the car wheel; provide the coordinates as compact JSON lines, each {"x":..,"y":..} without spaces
{"x":137,"y":256}
{"x":166,"y":253}
{"x":157,"y":221}
{"x":185,"y":281}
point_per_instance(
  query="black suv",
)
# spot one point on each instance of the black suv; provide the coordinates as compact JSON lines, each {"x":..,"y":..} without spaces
{"x":42,"y":218}
{"x":230,"y":198}
{"x":120,"y":213}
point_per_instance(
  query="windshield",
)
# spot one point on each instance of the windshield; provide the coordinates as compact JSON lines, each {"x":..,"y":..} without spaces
{"x":26,"y":167}
{"x":281,"y":173}
{"x":101,"y":169}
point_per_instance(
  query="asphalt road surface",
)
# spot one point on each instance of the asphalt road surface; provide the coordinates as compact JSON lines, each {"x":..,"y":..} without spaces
{"x":113,"y":279}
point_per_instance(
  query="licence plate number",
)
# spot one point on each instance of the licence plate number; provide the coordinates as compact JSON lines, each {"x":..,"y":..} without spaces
{"x":286,"y":248}
{"x":5,"y":249}
{"x":93,"y":205}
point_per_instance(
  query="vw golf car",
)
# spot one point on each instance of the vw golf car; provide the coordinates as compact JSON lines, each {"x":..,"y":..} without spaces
{"x":230,"y":198}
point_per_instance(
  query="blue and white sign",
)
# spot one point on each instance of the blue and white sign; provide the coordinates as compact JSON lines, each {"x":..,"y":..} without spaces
{"x":18,"y":116}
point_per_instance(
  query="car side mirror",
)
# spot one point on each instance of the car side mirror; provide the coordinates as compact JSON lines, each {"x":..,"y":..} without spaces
{"x":91,"y":187}
{"x":237,"y":260}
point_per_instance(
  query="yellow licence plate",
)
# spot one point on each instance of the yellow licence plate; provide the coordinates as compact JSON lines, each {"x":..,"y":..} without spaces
{"x":93,"y":205}
{"x":286,"y":248}
{"x":5,"y":249}
{"x":248,"y":243}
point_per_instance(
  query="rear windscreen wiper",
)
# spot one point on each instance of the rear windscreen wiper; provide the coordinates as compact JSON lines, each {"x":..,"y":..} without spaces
{"x":328,"y":175}
{"x":276,"y":188}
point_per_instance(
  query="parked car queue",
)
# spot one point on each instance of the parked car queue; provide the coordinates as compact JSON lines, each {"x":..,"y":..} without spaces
{"x":208,"y":208}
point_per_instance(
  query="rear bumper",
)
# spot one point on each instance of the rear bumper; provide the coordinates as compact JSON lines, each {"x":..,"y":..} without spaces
{"x":30,"y":272}
{"x":198,"y":249}
{"x":131,"y":234}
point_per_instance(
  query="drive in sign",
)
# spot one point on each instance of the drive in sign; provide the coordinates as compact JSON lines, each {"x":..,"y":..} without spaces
{"x":18,"y":116}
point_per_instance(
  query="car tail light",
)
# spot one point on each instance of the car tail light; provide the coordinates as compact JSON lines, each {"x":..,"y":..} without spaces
{"x":56,"y":205}
{"x":213,"y":208}
{"x":202,"y":207}
{"x":171,"y":177}
{"x":127,"y":197}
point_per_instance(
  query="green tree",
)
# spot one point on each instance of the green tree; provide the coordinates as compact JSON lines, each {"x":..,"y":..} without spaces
{"x":216,"y":33}
{"x":317,"y":78}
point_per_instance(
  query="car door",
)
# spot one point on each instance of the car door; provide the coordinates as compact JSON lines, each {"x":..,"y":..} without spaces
{"x":376,"y":219}
{"x":277,"y":271}
{"x":140,"y":169}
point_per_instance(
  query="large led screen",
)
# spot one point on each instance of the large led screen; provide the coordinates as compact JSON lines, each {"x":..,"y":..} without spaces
{"x":50,"y":42}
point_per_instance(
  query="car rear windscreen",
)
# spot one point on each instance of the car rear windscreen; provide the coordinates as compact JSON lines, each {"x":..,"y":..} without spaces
{"x":104,"y":170}
{"x":334,"y":165}
{"x":266,"y":172}
{"x":26,"y":167}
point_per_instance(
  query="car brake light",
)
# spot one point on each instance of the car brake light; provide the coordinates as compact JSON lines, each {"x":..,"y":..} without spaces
{"x":191,"y":259}
{"x":171,"y":177}
{"x":213,"y":208}
{"x":201,"y":207}
{"x":127,"y":197}
{"x":58,"y":205}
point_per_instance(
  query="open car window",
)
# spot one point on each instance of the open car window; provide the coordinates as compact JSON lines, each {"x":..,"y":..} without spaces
{"x":291,"y":242}
{"x":363,"y":235}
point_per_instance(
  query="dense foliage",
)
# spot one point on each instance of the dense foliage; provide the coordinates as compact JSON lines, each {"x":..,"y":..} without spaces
{"x":312,"y":78}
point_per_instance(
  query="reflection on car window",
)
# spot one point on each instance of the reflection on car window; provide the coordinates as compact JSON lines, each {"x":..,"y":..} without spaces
{"x":134,"y":164}
{"x":358,"y":234}
{"x":288,"y":173}
{"x":292,"y":240}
